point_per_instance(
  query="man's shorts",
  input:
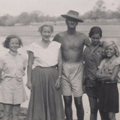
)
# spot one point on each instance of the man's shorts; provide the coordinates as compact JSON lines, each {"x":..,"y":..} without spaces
{"x":72,"y":79}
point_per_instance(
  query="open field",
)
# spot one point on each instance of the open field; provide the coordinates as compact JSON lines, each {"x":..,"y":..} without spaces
{"x":30,"y":34}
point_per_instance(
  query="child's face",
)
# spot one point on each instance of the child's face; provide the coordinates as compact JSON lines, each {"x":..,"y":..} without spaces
{"x":95,"y":38}
{"x":46,"y":33}
{"x":110,"y":51}
{"x":14,"y":44}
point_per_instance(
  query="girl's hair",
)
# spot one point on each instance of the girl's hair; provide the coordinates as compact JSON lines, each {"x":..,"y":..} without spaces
{"x":95,"y":30}
{"x":40,"y":29}
{"x":111,"y":43}
{"x":7,"y":41}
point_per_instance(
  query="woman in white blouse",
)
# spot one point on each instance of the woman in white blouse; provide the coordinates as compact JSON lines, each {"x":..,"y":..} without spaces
{"x":44,"y":75}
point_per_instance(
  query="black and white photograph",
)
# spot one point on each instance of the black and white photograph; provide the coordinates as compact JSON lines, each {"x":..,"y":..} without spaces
{"x":59,"y":59}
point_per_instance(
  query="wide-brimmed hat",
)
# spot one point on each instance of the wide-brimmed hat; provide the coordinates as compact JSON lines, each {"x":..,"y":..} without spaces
{"x":73,"y":15}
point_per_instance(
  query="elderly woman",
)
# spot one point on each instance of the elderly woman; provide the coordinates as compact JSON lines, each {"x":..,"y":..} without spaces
{"x":44,"y":75}
{"x":108,"y":75}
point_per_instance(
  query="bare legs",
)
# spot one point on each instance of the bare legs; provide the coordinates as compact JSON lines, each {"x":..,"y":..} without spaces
{"x":11,"y":112}
{"x":68,"y":107}
{"x":79,"y":108}
{"x":93,"y":108}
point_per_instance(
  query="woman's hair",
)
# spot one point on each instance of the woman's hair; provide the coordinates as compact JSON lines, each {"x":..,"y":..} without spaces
{"x":7,"y":41}
{"x":111,"y":43}
{"x":95,"y":30}
{"x":46,"y":25}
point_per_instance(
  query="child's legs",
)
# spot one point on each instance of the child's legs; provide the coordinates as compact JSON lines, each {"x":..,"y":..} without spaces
{"x":104,"y":115}
{"x":111,"y":116}
{"x":15,"y":112}
{"x":7,"y":111}
{"x":93,"y":108}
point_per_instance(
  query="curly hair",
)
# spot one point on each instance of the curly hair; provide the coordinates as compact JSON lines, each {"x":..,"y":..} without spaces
{"x":7,"y":41}
{"x":95,"y":30}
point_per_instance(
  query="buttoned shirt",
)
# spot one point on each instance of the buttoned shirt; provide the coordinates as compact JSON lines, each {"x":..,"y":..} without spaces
{"x":92,"y":61}
{"x":12,"y":66}
{"x":107,"y":66}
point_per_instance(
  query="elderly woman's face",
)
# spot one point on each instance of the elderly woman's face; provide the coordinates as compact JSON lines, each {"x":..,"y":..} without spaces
{"x":110,"y":51}
{"x":46,"y":33}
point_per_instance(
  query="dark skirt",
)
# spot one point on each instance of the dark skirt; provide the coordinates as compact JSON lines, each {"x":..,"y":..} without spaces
{"x":45,"y":101}
{"x":109,"y":97}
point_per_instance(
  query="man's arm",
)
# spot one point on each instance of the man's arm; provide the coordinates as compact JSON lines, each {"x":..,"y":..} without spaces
{"x":57,"y":38}
{"x":87,"y":41}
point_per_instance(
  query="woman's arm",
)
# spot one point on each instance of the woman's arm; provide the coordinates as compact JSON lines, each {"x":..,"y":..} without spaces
{"x":57,"y":85}
{"x":1,"y":67}
{"x":111,"y":77}
{"x":0,"y":74}
{"x":29,"y":69}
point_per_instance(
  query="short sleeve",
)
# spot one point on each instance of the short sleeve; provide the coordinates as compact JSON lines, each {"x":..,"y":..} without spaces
{"x":114,"y":63}
{"x":1,"y":62}
{"x":31,"y":48}
{"x":56,"y":44}
{"x":24,"y":61}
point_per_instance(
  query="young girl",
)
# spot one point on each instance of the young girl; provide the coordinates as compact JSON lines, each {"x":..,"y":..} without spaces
{"x":12,"y":66}
{"x":108,"y":76}
{"x":93,"y":56}
{"x":44,"y":78}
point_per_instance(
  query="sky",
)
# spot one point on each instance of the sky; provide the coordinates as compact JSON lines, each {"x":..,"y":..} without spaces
{"x":51,"y":7}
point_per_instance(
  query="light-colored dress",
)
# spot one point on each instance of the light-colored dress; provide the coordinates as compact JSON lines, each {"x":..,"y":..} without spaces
{"x":45,"y":101}
{"x":11,"y":86}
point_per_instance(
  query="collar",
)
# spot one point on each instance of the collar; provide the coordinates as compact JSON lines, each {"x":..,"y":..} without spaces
{"x":111,"y":59}
{"x":8,"y":54}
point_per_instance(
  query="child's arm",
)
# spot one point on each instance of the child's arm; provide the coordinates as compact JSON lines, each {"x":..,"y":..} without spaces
{"x":57,"y":85}
{"x":111,"y":77}
{"x":29,"y":69}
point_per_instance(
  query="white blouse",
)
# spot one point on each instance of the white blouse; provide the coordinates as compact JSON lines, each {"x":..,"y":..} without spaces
{"x":45,"y":57}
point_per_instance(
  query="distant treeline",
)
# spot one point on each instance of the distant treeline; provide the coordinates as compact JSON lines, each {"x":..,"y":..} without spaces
{"x":98,"y":12}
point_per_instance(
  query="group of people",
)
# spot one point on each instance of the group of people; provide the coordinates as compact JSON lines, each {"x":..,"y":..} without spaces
{"x":61,"y":67}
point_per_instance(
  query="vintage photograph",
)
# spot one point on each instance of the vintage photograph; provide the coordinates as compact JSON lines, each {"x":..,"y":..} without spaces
{"x":59,"y":59}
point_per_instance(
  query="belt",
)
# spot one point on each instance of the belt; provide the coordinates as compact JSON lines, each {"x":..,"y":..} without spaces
{"x":104,"y":82}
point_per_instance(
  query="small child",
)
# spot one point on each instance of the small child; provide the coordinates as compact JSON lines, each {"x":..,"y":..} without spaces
{"x":107,"y":75}
{"x":12,"y":66}
{"x":93,"y":56}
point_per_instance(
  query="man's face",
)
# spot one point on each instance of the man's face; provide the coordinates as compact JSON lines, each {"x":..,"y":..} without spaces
{"x":71,"y":23}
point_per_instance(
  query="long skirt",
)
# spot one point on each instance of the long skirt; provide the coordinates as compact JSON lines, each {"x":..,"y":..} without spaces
{"x":45,"y":101}
{"x":109,"y":98}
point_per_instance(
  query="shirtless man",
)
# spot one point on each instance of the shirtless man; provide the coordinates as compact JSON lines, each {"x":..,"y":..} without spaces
{"x":72,"y":53}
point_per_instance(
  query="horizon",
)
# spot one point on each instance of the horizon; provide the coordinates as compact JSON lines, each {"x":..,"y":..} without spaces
{"x":52,"y":7}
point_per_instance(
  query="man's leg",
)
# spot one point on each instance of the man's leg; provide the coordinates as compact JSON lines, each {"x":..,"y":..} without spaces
{"x":68,"y":107}
{"x":79,"y":107}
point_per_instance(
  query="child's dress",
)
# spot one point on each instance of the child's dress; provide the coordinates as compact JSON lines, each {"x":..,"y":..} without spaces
{"x":108,"y":94}
{"x":11,"y":86}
